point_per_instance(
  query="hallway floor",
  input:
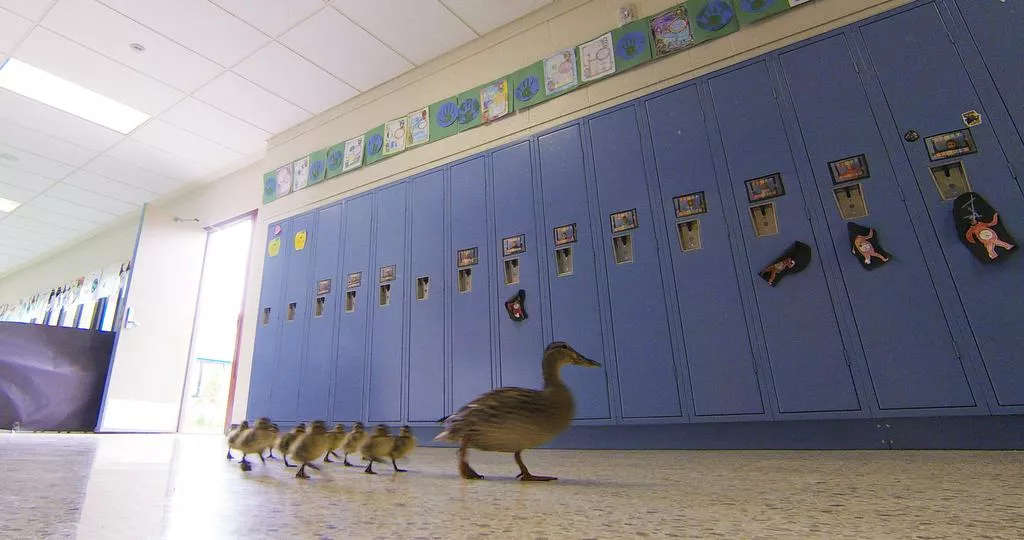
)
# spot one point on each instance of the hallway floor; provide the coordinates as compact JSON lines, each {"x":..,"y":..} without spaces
{"x":149,"y":486}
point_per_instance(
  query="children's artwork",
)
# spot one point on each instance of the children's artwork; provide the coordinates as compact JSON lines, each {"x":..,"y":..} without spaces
{"x":560,"y":72}
{"x":755,"y":10}
{"x":467,"y":257}
{"x":980,"y":230}
{"x":469,"y":110}
{"x":632,"y":45}
{"x":597,"y":58}
{"x":690,"y":204}
{"x":712,"y":19}
{"x":300,"y":174}
{"x":269,"y":186}
{"x":387,"y":273}
{"x":516,"y":306}
{"x":623,"y":221}
{"x":795,"y":3}
{"x":952,"y":144}
{"x":335,"y":160}
{"x":353,"y":154}
{"x":354,"y":280}
{"x":394,"y":136}
{"x":373,"y":145}
{"x":849,"y":169}
{"x":419,"y":127}
{"x":284,"y":180}
{"x":494,"y":100}
{"x":764,"y":188}
{"x":317,"y":166}
{"x":792,"y":261}
{"x":865,"y":246}
{"x":566,"y":234}
{"x":300,"y":240}
{"x":671,"y":30}
{"x":274,"y":247}
{"x":513,"y":245}
{"x":444,"y":117}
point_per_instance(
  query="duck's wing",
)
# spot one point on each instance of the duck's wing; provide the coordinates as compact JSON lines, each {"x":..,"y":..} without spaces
{"x":503,"y":406}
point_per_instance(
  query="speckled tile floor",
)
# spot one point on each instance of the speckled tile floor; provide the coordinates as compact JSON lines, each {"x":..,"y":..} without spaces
{"x":149,"y":486}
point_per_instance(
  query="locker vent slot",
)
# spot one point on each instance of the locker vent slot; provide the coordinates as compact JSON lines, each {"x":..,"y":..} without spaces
{"x":465,"y":280}
{"x":622,"y":246}
{"x":422,"y":288}
{"x":321,"y":302}
{"x":511,"y":271}
{"x":563,"y":261}
{"x":385,"y":294}
{"x":266,"y":316}
{"x":350,"y":301}
{"x":291,"y":310}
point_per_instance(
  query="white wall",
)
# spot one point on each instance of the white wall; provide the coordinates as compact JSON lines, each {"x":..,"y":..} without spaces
{"x":564,"y":23}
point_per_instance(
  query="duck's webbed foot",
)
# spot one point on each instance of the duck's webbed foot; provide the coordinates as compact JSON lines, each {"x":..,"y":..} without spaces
{"x":245,"y":465}
{"x":302,"y":472}
{"x":286,"y":464}
{"x":465,"y":470}
{"x":327,"y":458}
{"x":395,"y":465}
{"x":524,"y":473}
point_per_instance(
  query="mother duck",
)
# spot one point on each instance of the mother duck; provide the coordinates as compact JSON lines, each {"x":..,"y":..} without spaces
{"x":513,"y":419}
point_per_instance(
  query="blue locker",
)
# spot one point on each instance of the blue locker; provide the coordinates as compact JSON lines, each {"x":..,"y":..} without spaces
{"x":324,"y":289}
{"x":911,"y":357}
{"x":574,"y":296}
{"x":268,"y":321}
{"x":719,"y":354}
{"x":809,"y":367}
{"x":520,"y":344}
{"x":472,"y":307}
{"x":927,"y":93}
{"x":643,"y":349}
{"x":389,"y":283}
{"x":356,"y":285}
{"x":284,"y":399}
{"x":427,"y":300}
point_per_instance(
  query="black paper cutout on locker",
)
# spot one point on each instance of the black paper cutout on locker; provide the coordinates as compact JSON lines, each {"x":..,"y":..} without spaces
{"x":866,"y":246}
{"x":516,"y":306}
{"x":979,"y":228}
{"x":792,"y":261}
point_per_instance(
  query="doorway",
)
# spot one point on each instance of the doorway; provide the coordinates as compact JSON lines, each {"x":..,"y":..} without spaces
{"x":208,"y":386}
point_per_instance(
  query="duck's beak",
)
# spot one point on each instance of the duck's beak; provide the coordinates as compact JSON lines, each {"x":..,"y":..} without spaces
{"x":584,"y":361}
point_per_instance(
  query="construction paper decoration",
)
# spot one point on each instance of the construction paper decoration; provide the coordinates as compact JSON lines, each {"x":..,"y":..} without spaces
{"x":597,"y":58}
{"x":979,"y":228}
{"x":419,"y":127}
{"x":792,"y":261}
{"x":712,"y":19}
{"x":352,"y":158}
{"x":494,"y":101}
{"x":269,"y":186}
{"x":395,"y":133}
{"x":274,"y":247}
{"x":317,"y":166}
{"x":469,"y":109}
{"x":632,"y":44}
{"x":335,"y":160}
{"x":444,"y":117}
{"x":750,"y":11}
{"x":866,"y":247}
{"x":374,"y":145}
{"x":528,"y":86}
{"x":561,"y":72}
{"x":284,"y":180}
{"x":300,"y":174}
{"x":671,"y":30}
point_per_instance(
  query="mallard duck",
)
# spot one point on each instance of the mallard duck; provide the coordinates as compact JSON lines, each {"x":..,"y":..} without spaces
{"x":309,"y":446}
{"x":286,"y":440}
{"x":255,"y":440}
{"x":353,"y":441}
{"x":337,"y":437}
{"x":234,"y":432}
{"x":404,"y":444}
{"x":377,"y":447}
{"x":513,"y":419}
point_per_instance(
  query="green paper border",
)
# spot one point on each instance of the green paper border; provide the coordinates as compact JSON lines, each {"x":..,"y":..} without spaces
{"x":642,"y":26}
{"x":701,"y":35}
{"x":536,"y":70}
{"x":371,"y":159}
{"x":437,"y":131}
{"x":270,"y":186}
{"x":321,"y":156}
{"x":335,"y":171}
{"x":473,"y":94}
{"x":747,"y":18}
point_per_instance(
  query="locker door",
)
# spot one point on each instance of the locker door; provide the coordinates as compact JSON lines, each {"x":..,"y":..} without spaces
{"x":356,"y":288}
{"x":719,"y":355}
{"x":805,"y":350}
{"x":268,"y":321}
{"x":427,"y":300}
{"x":470,"y":288}
{"x":927,"y":93}
{"x":389,"y":282}
{"x":324,"y":289}
{"x":520,"y":344}
{"x":572,"y":282}
{"x":646,"y":373}
{"x":911,"y":357}
{"x":284,"y":400}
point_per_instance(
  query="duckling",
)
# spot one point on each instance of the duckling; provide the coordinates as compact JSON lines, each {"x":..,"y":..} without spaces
{"x":377,"y":447}
{"x":310,"y":446}
{"x":286,"y":440}
{"x":337,"y":438}
{"x":271,"y":449}
{"x":353,"y":441}
{"x":513,"y":419}
{"x":404,"y":444}
{"x":234,"y":432}
{"x":255,"y":440}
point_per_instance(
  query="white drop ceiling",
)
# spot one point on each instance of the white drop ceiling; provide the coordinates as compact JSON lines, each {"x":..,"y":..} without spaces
{"x":219,"y":78}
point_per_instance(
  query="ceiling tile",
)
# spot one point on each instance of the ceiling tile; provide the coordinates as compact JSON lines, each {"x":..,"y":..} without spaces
{"x":273,"y":17}
{"x":24,"y":180}
{"x":109,"y":188}
{"x":69,"y":60}
{"x":56,"y":123}
{"x":45,"y":215}
{"x":16,"y":194}
{"x":216,"y":125}
{"x":294,"y":78}
{"x":486,"y":16}
{"x":109,"y":33}
{"x":187,"y":146}
{"x":198,"y":25}
{"x":73,"y":209}
{"x":33,"y":163}
{"x":157,"y":160}
{"x":133,"y":175}
{"x":26,"y":245}
{"x":21,"y":137}
{"x":42,"y":241}
{"x":242,"y":98}
{"x":418,"y":29}
{"x":12,"y":29}
{"x":30,"y":9}
{"x":90,"y":199}
{"x":335,"y":43}
{"x":16,"y":252}
{"x":40,"y":228}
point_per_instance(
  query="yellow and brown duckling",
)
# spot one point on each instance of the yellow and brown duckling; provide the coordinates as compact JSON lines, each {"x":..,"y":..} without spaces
{"x":514,"y":419}
{"x":337,"y":437}
{"x":270,"y":454}
{"x":255,"y":440}
{"x":233,"y":434}
{"x":404,"y":444}
{"x":286,"y":440}
{"x":310,"y":446}
{"x":353,"y":440}
{"x":377,"y":447}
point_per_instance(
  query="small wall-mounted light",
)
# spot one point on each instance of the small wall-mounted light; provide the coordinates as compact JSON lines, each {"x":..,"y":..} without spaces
{"x":137,"y":47}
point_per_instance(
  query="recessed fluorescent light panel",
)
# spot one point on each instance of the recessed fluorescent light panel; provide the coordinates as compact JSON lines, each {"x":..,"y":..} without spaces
{"x":34,"y":83}
{"x":7,"y":205}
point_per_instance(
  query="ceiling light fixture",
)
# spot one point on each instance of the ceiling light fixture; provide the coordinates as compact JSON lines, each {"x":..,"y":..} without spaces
{"x":7,"y":205}
{"x":34,"y":83}
{"x":137,"y":47}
